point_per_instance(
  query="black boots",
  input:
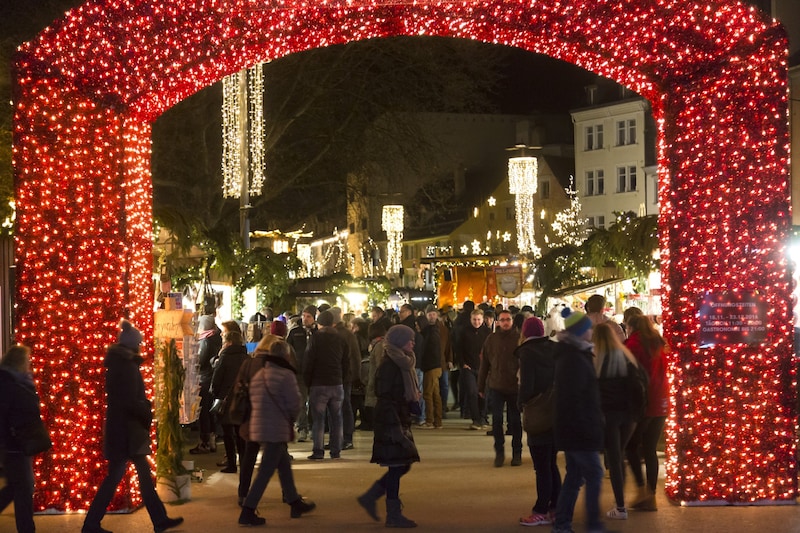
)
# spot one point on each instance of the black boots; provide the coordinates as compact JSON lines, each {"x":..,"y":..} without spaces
{"x":369,"y":500}
{"x":394,"y":515}
{"x":301,"y":506}
{"x":249,"y":517}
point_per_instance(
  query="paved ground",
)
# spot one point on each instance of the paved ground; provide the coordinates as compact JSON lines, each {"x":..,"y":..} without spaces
{"x":455,"y":487}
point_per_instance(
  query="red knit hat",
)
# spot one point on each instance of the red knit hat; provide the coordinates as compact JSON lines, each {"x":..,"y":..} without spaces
{"x":278,"y":328}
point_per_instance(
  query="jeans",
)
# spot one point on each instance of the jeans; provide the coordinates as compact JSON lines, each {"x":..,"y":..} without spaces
{"x":643,"y":443}
{"x":19,"y":489}
{"x":619,"y":427}
{"x":469,"y":392}
{"x":548,"y":478}
{"x":432,"y":399}
{"x":581,"y":466}
{"x":116,"y":470}
{"x":274,"y":457}
{"x":348,"y":418}
{"x":454,"y":380}
{"x":498,"y":400}
{"x":330,"y":397}
{"x":247,"y":466}
{"x":421,"y":387}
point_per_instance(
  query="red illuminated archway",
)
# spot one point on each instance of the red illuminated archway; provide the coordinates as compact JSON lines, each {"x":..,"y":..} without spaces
{"x":88,"y":88}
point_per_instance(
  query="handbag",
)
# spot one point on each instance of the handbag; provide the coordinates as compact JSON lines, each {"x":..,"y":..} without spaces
{"x":239,"y":407}
{"x":537,"y":413}
{"x":32,"y":437}
{"x":219,"y":406}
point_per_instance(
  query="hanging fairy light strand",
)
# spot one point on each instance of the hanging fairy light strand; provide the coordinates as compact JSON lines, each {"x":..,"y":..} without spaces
{"x":523,"y":181}
{"x":392,"y":224}
{"x":239,"y":135}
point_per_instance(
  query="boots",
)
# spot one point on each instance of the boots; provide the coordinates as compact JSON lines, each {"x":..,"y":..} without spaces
{"x":394,"y":515}
{"x":369,"y":500}
{"x":645,"y":500}
{"x":301,"y":506}
{"x":249,"y":517}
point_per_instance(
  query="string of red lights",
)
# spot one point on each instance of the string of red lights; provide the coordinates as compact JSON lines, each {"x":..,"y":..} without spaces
{"x":87,"y":89}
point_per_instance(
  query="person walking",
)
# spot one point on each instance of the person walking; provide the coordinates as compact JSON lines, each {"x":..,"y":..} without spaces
{"x":393,"y":443}
{"x":649,"y":348}
{"x":275,"y":399}
{"x":19,"y":407}
{"x":578,"y":422}
{"x":498,"y":373}
{"x":611,"y":363}
{"x":127,"y":433}
{"x":536,"y":376}
{"x":472,"y":339}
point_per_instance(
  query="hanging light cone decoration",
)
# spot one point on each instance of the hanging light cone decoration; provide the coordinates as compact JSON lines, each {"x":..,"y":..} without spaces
{"x":241,"y":133}
{"x":523,"y":181}
{"x":392,"y":224}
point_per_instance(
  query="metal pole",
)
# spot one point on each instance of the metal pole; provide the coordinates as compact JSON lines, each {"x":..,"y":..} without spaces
{"x":244,"y":197}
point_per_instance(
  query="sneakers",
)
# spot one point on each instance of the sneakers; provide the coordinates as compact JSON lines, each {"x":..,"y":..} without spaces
{"x":169,"y":523}
{"x":347,"y":446}
{"x":475,"y":427}
{"x":535,"y":519}
{"x":200,"y":449}
{"x":302,"y":436}
{"x":425,"y":426}
{"x":316,"y":457}
{"x":229,"y":470}
{"x":617,"y":513}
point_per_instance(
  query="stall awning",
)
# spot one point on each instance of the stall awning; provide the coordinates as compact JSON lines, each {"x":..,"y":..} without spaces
{"x":576,"y":289}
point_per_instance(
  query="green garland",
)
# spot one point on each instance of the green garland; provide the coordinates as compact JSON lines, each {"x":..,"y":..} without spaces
{"x":169,"y":456}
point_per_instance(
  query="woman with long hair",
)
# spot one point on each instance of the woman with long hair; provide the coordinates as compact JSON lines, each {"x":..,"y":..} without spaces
{"x":230,"y":360}
{"x":649,"y":347}
{"x":612,"y":364}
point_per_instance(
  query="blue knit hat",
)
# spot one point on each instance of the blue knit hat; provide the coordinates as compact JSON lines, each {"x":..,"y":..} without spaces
{"x":129,"y":336}
{"x":575,"y":322}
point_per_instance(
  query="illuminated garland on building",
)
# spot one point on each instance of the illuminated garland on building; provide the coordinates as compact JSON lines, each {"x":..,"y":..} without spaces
{"x":392,"y":224}
{"x":715,"y":71}
{"x":523,"y":181}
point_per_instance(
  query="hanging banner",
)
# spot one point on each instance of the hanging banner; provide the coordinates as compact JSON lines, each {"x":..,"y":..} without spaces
{"x":732,"y":318}
{"x":508,"y":280}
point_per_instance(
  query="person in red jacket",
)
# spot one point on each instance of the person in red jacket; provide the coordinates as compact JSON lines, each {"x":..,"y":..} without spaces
{"x":649,"y":347}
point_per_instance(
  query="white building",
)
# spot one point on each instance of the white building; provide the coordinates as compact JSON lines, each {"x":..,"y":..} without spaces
{"x":615,"y":161}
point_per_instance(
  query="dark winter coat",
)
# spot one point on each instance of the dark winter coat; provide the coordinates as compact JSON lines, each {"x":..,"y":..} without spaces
{"x":208,"y":350}
{"x":393,"y":443}
{"x":353,"y":353}
{"x":579,"y":422}
{"x":472,"y":340}
{"x":432,"y":349}
{"x":128,"y":411}
{"x":499,"y":367}
{"x":230,"y":361}
{"x":536,"y":375}
{"x":327,"y":359}
{"x":19,"y":406}
{"x":298,"y":338}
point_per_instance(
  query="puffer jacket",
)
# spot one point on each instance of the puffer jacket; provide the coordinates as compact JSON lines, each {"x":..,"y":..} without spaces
{"x":275,"y":398}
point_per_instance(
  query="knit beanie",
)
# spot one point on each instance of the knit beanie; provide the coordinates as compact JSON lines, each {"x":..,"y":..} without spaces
{"x":129,"y":336}
{"x":399,"y":335}
{"x":311,"y":310}
{"x":278,"y":327}
{"x":324,"y":307}
{"x":337,"y":314}
{"x":532,"y":327}
{"x":325,"y":318}
{"x":575,"y":322}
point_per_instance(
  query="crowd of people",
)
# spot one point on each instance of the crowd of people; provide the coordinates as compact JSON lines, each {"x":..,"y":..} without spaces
{"x":568,"y":382}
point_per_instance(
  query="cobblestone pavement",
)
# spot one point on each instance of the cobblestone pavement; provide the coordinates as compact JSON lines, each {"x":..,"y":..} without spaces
{"x":455,"y":487}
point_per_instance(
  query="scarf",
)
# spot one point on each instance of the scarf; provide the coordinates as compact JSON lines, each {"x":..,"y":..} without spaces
{"x":407,"y":363}
{"x":569,"y":338}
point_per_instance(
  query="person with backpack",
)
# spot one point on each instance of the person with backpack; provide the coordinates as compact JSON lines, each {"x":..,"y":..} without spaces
{"x":649,"y":348}
{"x":275,"y":399}
{"x":616,"y":368}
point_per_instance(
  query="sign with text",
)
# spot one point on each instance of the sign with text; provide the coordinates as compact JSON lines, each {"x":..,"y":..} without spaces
{"x":173,"y":324}
{"x":508,"y":280}
{"x":732,"y":318}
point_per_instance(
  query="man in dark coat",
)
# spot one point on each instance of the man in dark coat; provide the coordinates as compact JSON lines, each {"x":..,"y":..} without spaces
{"x":209,"y":346}
{"x":472,"y":339}
{"x":431,"y":365}
{"x":298,"y":338}
{"x":579,"y":424}
{"x":127,"y":433}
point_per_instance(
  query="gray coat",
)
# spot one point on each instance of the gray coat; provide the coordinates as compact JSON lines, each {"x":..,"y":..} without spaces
{"x":275,"y":399}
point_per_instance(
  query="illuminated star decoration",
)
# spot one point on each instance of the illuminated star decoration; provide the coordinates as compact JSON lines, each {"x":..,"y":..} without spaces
{"x":88,"y":88}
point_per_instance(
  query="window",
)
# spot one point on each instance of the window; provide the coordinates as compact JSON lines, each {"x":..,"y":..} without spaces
{"x":491,"y":215}
{"x":363,"y":223}
{"x":509,"y":213}
{"x":626,"y":179}
{"x":596,"y":222}
{"x":595,"y":182}
{"x":626,"y":132}
{"x":594,"y":137}
{"x":352,"y":228}
{"x":544,"y":190}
